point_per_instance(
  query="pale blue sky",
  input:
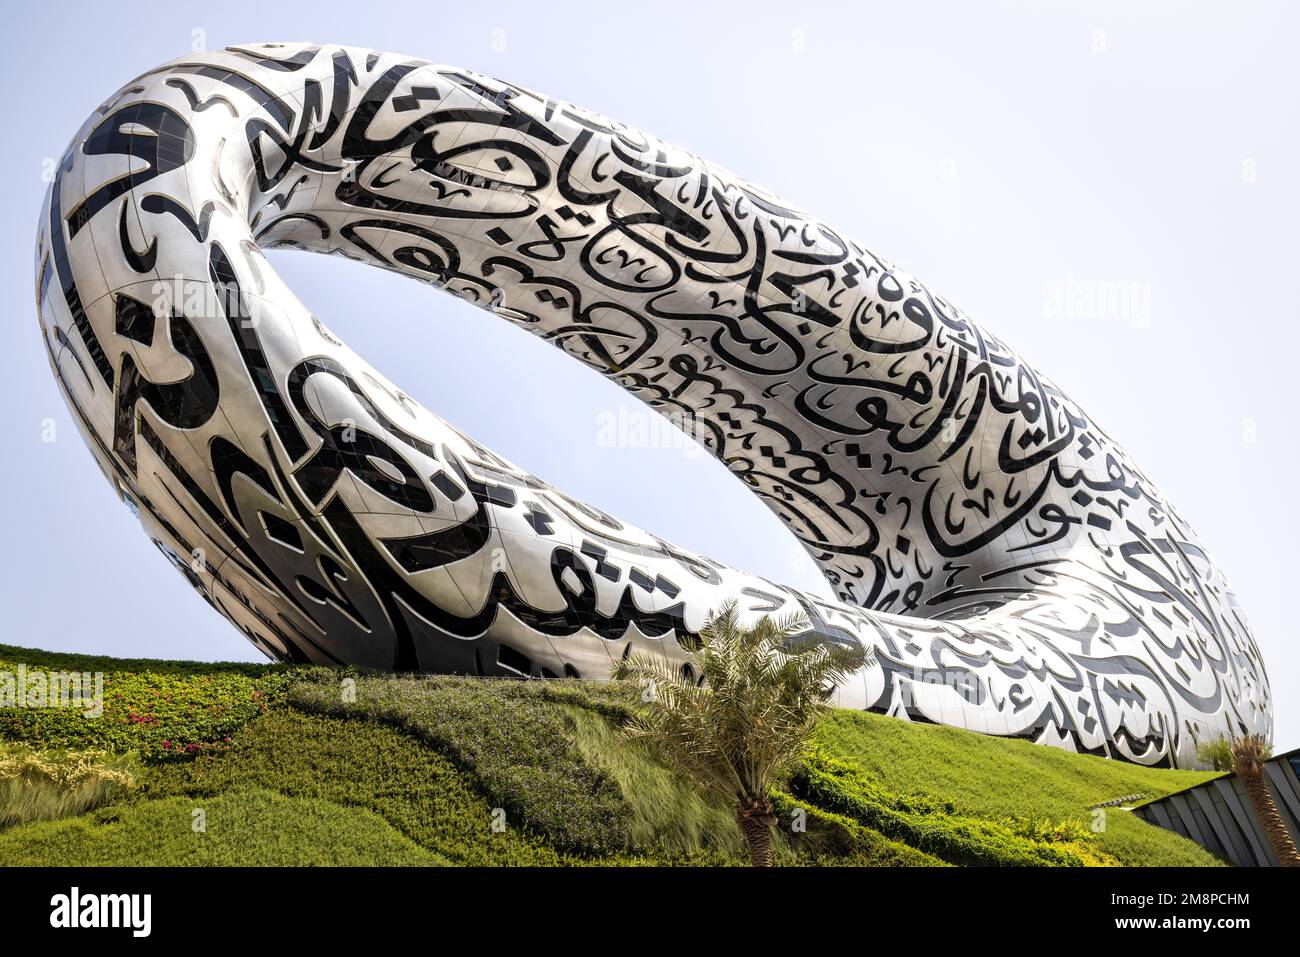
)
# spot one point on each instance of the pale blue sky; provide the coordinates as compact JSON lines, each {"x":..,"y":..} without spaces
{"x":1013,"y":156}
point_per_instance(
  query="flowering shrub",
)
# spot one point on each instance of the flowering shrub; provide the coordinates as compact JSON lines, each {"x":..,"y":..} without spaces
{"x":158,"y":713}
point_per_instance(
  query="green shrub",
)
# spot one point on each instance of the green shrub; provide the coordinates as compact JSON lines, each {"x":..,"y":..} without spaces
{"x":1217,"y":753}
{"x":434,"y":756}
{"x":1044,"y":831}
{"x":250,"y":828}
{"x":830,"y":839}
{"x":929,"y":826}
{"x":46,"y":786}
{"x":508,"y":735}
{"x":158,"y":713}
{"x":363,"y":764}
{"x":996,"y":778}
{"x":78,"y":661}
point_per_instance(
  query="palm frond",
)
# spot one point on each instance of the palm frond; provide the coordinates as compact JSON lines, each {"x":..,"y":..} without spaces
{"x":740,"y":729}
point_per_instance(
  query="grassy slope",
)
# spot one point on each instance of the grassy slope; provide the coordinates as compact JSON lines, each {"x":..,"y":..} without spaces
{"x":412,"y":772}
{"x":249,"y":827}
{"x":358,"y":765}
{"x":1000,"y":776}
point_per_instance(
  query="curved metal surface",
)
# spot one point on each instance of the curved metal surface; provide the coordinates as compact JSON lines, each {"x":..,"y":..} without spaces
{"x":1011,"y":569}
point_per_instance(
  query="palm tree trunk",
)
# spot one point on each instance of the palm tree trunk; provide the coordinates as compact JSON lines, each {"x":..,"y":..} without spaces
{"x":756,"y":819}
{"x":1248,"y":757}
{"x":1269,"y":818}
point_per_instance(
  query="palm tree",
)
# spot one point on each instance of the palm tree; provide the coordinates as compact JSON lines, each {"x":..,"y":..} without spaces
{"x":1248,"y":756}
{"x":739,"y":729}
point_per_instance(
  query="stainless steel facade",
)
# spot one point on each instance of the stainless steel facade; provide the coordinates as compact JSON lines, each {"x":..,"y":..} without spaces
{"x":1010,"y":569}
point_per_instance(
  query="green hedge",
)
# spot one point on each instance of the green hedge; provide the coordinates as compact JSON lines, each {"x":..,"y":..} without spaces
{"x":932,"y":827}
{"x":507,"y":734}
{"x":829,"y":839}
{"x":359,"y":764}
{"x":251,"y":828}
{"x":157,"y":713}
{"x":435,"y":755}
